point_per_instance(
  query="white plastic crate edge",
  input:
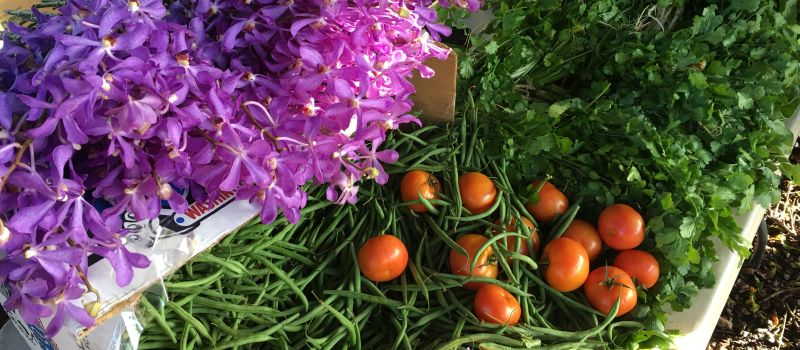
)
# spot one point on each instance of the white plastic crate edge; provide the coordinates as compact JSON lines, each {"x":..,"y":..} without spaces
{"x":697,"y":323}
{"x":169,"y":242}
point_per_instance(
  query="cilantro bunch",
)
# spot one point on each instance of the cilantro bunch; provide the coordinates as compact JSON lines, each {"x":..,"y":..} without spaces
{"x":677,"y":109}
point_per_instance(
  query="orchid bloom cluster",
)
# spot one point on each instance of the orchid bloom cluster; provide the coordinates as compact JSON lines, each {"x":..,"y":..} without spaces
{"x":319,"y":85}
{"x":124,"y":102}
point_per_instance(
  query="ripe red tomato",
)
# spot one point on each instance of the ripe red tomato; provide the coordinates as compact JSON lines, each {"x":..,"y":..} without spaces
{"x":477,"y":192}
{"x":605,"y":285}
{"x":511,"y":241}
{"x":382,"y":258}
{"x":493,"y":304}
{"x":585,"y":234}
{"x":567,"y":264}
{"x":459,"y":264}
{"x":640,"y":265}
{"x":621,"y":227}
{"x":416,"y":183}
{"x":552,"y":203}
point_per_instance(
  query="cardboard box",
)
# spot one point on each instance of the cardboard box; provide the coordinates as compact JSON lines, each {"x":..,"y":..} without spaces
{"x":436,"y":97}
{"x":14,"y":5}
{"x":173,"y":239}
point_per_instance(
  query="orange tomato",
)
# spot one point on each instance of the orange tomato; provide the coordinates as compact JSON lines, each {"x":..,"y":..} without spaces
{"x":585,"y":234}
{"x":641,"y":265}
{"x":477,"y":192}
{"x":621,"y":227}
{"x":567,"y":264}
{"x":417,"y":183}
{"x":484,"y":267}
{"x":493,"y":304}
{"x":551,"y":203}
{"x":382,"y":258}
{"x":605,"y":285}
{"x":511,"y":241}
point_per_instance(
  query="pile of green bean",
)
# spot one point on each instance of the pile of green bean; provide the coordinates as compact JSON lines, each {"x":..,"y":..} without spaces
{"x":298,"y":286}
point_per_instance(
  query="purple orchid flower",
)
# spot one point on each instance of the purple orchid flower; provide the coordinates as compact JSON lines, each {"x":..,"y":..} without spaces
{"x":347,"y":189}
{"x":243,"y":157}
{"x":54,"y":256}
{"x":28,"y":299}
{"x":66,"y":309}
{"x":372,"y":160}
{"x":95,"y":48}
{"x":261,"y":97}
{"x":144,"y":11}
{"x":121,"y":259}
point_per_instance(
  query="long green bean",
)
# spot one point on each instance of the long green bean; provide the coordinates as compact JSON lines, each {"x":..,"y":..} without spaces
{"x":258,"y":288}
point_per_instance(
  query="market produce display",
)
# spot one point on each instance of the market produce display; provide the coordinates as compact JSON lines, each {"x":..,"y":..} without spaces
{"x":115,"y":106}
{"x":598,"y":148}
{"x":313,"y":284}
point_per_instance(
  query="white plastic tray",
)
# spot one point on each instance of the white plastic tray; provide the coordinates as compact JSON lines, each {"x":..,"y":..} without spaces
{"x":698,"y":322}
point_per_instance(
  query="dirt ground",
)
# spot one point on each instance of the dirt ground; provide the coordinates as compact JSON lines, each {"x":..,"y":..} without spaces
{"x":763,"y":310}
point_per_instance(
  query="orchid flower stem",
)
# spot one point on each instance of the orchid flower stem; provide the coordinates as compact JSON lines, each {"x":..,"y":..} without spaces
{"x":88,"y":285}
{"x":14,"y":165}
{"x":260,"y":106}
{"x":207,"y":137}
{"x":215,"y":143}
{"x":348,"y":161}
{"x":260,"y":127}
